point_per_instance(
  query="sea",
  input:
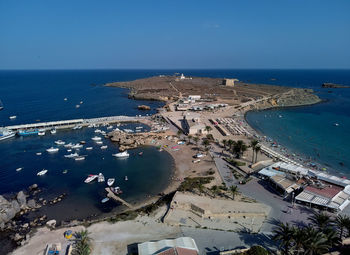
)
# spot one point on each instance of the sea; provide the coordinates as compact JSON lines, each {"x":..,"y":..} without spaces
{"x":320,"y":132}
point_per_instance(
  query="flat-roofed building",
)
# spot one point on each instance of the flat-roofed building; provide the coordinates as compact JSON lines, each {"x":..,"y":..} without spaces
{"x":229,"y":82}
{"x":178,"y":246}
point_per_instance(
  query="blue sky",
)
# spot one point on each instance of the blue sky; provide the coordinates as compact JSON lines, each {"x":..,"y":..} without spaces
{"x":174,"y":34}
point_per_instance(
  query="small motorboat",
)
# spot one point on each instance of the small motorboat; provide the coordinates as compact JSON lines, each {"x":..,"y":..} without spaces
{"x":52,"y":149}
{"x":89,"y":148}
{"x":116,"y":190}
{"x":99,"y":142}
{"x":110,"y":181}
{"x":77,"y":127}
{"x":123,"y":154}
{"x":109,"y":127}
{"x":42,"y":172}
{"x":69,"y":150}
{"x":60,"y":142}
{"x":139,"y":127}
{"x":101,"y":177}
{"x":53,"y":131}
{"x":82,"y":142}
{"x":38,"y":153}
{"x":77,"y":146}
{"x":72,"y":155}
{"x":91,"y":178}
{"x":96,"y":138}
{"x":140,"y":153}
{"x":79,"y":158}
{"x":104,"y":147}
{"x":106,"y":199}
{"x":41,"y":132}
{"x":69,"y":145}
{"x":65,"y":171}
{"x":77,"y":106}
{"x":19,"y":169}
{"x":126,"y":177}
{"x":13,"y":117}
{"x":65,"y":99}
{"x":81,"y":102}
{"x":98,"y":131}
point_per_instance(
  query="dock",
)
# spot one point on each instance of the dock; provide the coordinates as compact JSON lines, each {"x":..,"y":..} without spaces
{"x":61,"y":124}
{"x":110,"y":194}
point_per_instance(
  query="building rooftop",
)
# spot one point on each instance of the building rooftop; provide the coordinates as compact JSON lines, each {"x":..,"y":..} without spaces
{"x":328,"y":190}
{"x":180,"y":246}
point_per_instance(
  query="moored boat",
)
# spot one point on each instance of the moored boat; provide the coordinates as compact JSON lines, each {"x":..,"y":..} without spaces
{"x":42,"y":172}
{"x":13,"y":117}
{"x":79,"y":158}
{"x":59,"y":142}
{"x":126,"y":177}
{"x":123,"y":154}
{"x":89,"y":148}
{"x":19,"y":169}
{"x":101,"y":177}
{"x":96,"y":138}
{"x":72,"y":155}
{"x":110,"y":181}
{"x":28,"y":132}
{"x":41,"y":132}
{"x":91,"y":178}
{"x":52,"y":149}
{"x":77,"y":146}
{"x":99,"y":142}
{"x":6,"y":133}
{"x":106,"y":199}
{"x":104,"y":147}
{"x":53,"y":131}
{"x":116,"y":190}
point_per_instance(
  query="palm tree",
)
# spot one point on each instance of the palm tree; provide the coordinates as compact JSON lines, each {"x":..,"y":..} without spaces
{"x":332,"y":237}
{"x":230,"y":144}
{"x":208,"y":129}
{"x":321,"y":220}
{"x":234,"y":191}
{"x":239,"y":148}
{"x":342,"y":221}
{"x":284,"y":234}
{"x":205,"y":143}
{"x":315,"y":241}
{"x":298,"y":237}
{"x":82,"y":243}
{"x":257,"y":149}
{"x":253,"y":144}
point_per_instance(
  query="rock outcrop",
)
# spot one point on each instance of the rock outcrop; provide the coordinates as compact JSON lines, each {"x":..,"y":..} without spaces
{"x":334,"y":85}
{"x":144,"y":107}
{"x":8,"y":210}
{"x":128,"y":141}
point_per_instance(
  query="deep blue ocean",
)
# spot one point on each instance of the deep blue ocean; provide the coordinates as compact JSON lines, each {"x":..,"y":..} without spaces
{"x":39,"y":96}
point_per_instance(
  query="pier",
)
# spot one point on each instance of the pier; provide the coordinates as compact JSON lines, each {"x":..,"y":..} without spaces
{"x":61,"y":124}
{"x":110,"y":194}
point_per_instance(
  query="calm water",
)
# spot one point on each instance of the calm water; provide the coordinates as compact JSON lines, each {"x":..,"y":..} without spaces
{"x":38,"y":95}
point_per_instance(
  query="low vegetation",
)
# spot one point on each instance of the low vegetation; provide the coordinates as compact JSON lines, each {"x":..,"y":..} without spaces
{"x":190,"y":184}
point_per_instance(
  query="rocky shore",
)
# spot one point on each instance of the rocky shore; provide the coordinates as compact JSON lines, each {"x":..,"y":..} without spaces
{"x":334,"y":85}
{"x":14,"y":209}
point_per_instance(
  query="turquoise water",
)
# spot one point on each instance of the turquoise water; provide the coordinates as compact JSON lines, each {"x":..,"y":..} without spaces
{"x":38,"y":95}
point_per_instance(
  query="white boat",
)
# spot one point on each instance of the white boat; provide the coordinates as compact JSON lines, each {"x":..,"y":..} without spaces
{"x":53,"y":131}
{"x":19,"y":169}
{"x":69,"y":150}
{"x":106,"y":199}
{"x":109,"y":127}
{"x":77,"y":127}
{"x":42,"y":172}
{"x":123,"y":154}
{"x":59,"y":142}
{"x":126,"y":177}
{"x":116,"y":190}
{"x":110,"y":181}
{"x":77,"y":106}
{"x":91,"y":125}
{"x":65,"y":99}
{"x":96,"y":138}
{"x":101,"y":178}
{"x":81,"y":102}
{"x":128,"y":130}
{"x":38,"y":153}
{"x":41,"y":132}
{"x":98,"y":131}
{"x":90,"y":178}
{"x":13,"y":117}
{"x":104,"y":147}
{"x":6,"y":133}
{"x":79,"y":158}
{"x":89,"y":148}
{"x":52,"y":149}
{"x":72,"y":155}
{"x":99,"y":142}
{"x":139,"y":127}
{"x":77,"y":146}
{"x":69,"y":145}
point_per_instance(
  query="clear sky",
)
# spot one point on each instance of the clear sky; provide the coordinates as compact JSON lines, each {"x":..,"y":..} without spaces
{"x":150,"y":34}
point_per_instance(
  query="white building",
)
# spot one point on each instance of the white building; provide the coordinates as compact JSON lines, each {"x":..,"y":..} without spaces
{"x":182,"y":245}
